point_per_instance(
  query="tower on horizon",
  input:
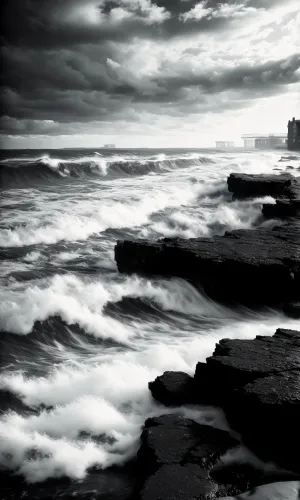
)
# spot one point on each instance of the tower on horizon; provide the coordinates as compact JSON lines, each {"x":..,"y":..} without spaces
{"x":293,"y":141}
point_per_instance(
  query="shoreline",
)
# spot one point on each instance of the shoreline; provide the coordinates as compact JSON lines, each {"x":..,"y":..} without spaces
{"x":255,"y":382}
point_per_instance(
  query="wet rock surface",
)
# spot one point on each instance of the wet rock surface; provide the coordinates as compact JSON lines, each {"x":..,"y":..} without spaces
{"x":245,"y":185}
{"x":178,"y":482}
{"x":282,"y":209}
{"x":249,"y":266}
{"x":173,"y":439}
{"x":256,"y":382}
{"x":176,"y":456}
{"x":173,"y":388}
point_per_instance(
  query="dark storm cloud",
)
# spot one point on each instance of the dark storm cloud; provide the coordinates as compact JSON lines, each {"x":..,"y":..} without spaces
{"x":48,"y":23}
{"x":176,"y":96}
{"x":271,"y":74}
{"x":62,"y":67}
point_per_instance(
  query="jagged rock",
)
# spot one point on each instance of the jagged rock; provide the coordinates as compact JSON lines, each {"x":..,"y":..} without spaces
{"x":256,"y":266}
{"x":173,"y":389}
{"x":171,"y":439}
{"x":292,"y":309}
{"x":257,"y":384}
{"x":267,"y":413}
{"x":179,"y":482}
{"x":282,"y":209}
{"x":247,"y":185}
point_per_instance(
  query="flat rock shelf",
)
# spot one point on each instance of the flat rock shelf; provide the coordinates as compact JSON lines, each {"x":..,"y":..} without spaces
{"x":259,"y":266}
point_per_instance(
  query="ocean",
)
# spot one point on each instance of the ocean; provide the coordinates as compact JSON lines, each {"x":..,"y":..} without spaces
{"x":79,"y":341}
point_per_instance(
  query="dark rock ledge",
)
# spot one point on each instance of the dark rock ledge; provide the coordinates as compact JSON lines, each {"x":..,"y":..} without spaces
{"x":250,"y":266}
{"x":257,"y":383}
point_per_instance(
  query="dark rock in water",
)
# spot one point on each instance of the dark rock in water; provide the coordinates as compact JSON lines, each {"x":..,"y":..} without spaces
{"x":282,"y":208}
{"x":247,"y":185}
{"x":257,"y":383}
{"x":179,"y":482}
{"x":173,"y":389}
{"x":267,"y":413}
{"x":176,"y":455}
{"x":170,"y":439}
{"x":249,"y":266}
{"x":236,"y":362}
{"x":292,"y":309}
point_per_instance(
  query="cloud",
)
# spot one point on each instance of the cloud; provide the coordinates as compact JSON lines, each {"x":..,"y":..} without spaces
{"x":80,"y":66}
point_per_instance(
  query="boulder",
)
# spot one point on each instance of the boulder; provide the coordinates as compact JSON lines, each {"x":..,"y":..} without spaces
{"x":173,"y":389}
{"x":247,"y":185}
{"x":171,"y":439}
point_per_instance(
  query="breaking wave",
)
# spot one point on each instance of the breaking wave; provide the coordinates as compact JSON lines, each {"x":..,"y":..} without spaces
{"x":21,"y":172}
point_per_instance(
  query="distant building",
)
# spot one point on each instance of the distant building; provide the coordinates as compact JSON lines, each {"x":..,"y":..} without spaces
{"x":264,"y":141}
{"x":294,"y":134}
{"x":109,"y":146}
{"x":224,"y":144}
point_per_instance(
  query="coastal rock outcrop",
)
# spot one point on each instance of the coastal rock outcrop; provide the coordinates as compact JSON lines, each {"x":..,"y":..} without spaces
{"x":282,"y":209}
{"x":256,"y":266}
{"x":176,"y":456}
{"x":257,"y":383}
{"x":259,"y":266}
{"x":173,"y":388}
{"x":247,"y":185}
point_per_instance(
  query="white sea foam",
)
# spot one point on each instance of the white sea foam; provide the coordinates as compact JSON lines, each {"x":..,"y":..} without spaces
{"x":32,"y":256}
{"x":95,"y":216}
{"x":95,"y":392}
{"x":107,"y":397}
{"x":82,"y":302}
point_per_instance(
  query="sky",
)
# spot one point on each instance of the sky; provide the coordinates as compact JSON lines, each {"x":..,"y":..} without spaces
{"x":175,"y":73}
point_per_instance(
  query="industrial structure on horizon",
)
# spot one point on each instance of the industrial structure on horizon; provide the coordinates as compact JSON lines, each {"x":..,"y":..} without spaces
{"x":224,"y":144}
{"x":264,"y":141}
{"x":293,"y":140}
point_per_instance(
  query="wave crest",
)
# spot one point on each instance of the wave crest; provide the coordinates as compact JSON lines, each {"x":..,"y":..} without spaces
{"x":24,"y":172}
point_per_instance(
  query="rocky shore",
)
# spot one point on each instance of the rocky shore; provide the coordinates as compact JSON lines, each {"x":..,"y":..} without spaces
{"x":255,"y":382}
{"x":259,"y":266}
